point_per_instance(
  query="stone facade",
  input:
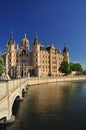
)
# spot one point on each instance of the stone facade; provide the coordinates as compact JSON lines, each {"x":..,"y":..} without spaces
{"x":40,"y":62}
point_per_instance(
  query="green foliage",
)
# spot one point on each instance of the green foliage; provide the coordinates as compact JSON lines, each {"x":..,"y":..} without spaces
{"x":68,"y":68}
{"x":76,"y":67}
{"x":65,"y":68}
{"x":1,"y":65}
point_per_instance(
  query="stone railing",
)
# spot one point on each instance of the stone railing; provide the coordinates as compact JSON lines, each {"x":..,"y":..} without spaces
{"x":3,"y":89}
{"x":9,"y":86}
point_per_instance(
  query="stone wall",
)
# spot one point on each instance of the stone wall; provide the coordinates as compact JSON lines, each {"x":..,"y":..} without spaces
{"x":33,"y":81}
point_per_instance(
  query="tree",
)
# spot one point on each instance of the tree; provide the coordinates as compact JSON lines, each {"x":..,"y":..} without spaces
{"x":65,"y":68}
{"x":68,"y":68}
{"x":1,"y":65}
{"x":76,"y":67}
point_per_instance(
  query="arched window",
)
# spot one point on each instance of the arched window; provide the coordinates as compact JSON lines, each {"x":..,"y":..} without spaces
{"x":23,"y":53}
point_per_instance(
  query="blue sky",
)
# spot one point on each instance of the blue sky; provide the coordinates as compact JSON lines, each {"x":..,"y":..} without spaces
{"x":55,"y":21}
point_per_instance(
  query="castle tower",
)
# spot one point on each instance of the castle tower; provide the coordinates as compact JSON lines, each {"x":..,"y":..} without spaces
{"x":24,"y":56}
{"x":12,"y":56}
{"x":66,"y":53}
{"x":36,"y":51}
{"x":36,"y":55}
{"x":25,"y":42}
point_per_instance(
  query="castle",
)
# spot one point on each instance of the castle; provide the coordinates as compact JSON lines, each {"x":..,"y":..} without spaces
{"x":40,"y":62}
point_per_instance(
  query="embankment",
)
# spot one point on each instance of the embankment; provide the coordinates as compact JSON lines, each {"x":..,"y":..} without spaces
{"x":36,"y":80}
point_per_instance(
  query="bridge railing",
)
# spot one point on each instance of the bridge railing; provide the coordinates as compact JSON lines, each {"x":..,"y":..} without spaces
{"x":9,"y":86}
{"x":3,"y":90}
{"x":14,"y":84}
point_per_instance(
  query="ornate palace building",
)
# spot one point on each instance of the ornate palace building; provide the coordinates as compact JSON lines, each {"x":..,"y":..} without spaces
{"x":40,"y":62}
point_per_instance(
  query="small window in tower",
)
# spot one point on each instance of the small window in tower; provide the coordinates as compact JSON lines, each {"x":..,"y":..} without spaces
{"x":36,"y":60}
{"x":23,"y":53}
{"x":36,"y":54}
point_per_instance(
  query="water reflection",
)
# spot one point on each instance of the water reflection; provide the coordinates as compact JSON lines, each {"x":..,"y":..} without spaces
{"x":54,"y":106}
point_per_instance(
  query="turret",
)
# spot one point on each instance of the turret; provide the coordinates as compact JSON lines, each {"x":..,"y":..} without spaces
{"x":11,"y":41}
{"x":36,"y":41}
{"x":11,"y":56}
{"x":66,"y":53}
{"x":36,"y":51}
{"x":36,"y":55}
{"x":25,"y":42}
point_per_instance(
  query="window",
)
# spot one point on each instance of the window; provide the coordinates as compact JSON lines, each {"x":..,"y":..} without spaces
{"x":23,"y":53}
{"x":36,"y":54}
{"x":36,"y":60}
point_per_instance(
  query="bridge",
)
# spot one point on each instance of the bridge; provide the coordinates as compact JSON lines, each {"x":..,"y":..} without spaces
{"x":9,"y":92}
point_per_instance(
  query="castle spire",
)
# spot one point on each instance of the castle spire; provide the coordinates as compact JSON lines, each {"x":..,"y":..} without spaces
{"x":36,"y":41}
{"x":25,"y":36}
{"x":11,"y":40}
{"x":65,"y":47}
{"x":65,"y":44}
{"x":36,"y":36}
{"x":25,"y":42}
{"x":66,"y":53}
{"x":11,"y":36}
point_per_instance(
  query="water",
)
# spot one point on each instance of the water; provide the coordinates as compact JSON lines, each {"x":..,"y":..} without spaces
{"x":57,"y":106}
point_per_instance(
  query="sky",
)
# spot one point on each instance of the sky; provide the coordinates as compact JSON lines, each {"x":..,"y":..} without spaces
{"x":55,"y":21}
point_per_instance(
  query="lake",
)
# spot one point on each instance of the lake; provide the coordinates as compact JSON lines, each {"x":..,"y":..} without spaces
{"x":54,"y":106}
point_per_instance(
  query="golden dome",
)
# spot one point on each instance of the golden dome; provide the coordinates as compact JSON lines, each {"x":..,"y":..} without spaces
{"x":25,"y":41}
